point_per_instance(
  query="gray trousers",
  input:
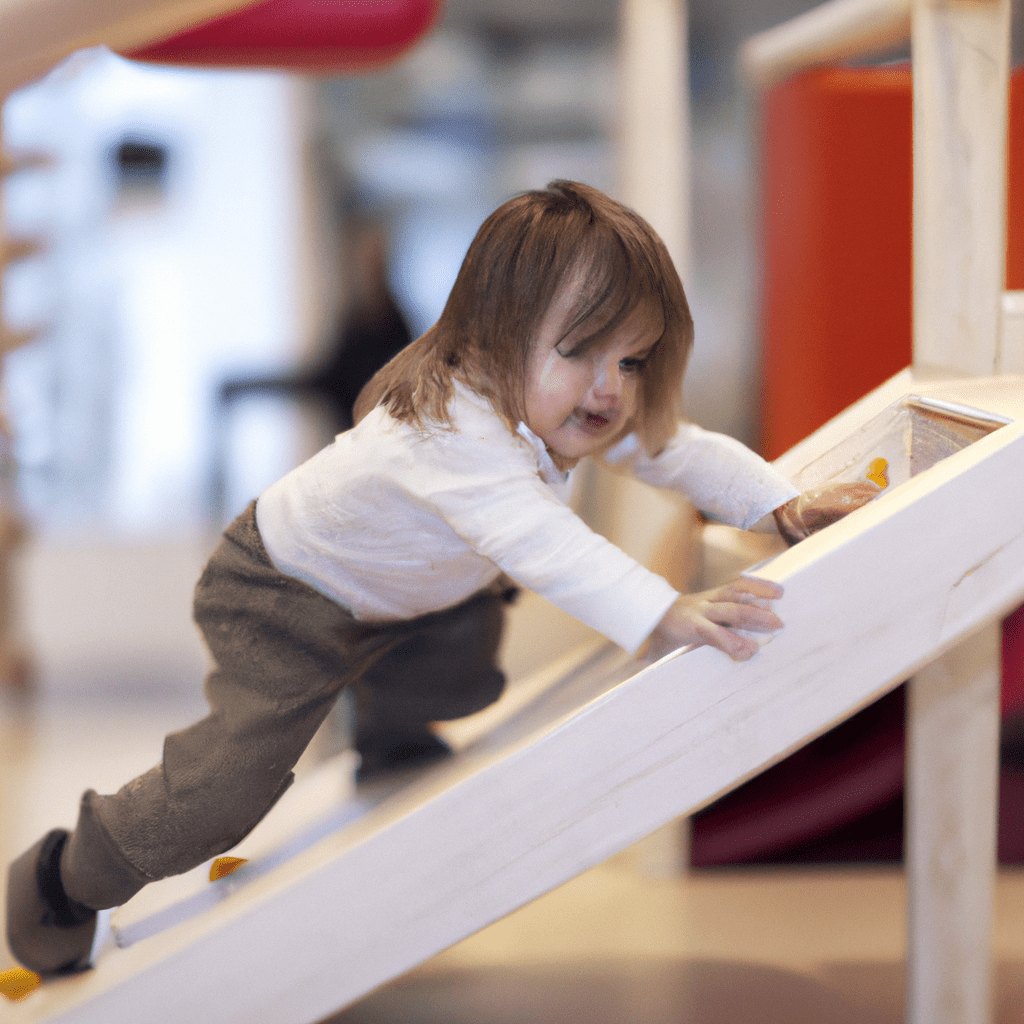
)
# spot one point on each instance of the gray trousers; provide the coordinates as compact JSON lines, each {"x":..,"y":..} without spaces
{"x":283,"y":654}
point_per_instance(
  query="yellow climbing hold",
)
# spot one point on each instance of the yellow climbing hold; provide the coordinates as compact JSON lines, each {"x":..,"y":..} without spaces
{"x":877,"y":473}
{"x":17,"y":982}
{"x":224,"y":866}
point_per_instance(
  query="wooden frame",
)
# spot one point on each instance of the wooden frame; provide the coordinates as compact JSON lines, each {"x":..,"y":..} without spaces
{"x":964,"y":323}
{"x":596,"y":762}
{"x":831,"y":31}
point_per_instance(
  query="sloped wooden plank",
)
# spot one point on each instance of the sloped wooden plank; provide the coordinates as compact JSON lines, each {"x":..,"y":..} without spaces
{"x":590,"y":767}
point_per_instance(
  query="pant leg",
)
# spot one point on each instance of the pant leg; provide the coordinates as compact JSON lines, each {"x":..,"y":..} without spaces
{"x":441,"y":666}
{"x":281,"y":658}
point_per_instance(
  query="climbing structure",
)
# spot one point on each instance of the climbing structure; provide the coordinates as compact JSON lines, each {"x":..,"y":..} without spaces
{"x":608,"y":750}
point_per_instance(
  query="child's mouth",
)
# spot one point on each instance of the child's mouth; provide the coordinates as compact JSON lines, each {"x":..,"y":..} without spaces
{"x":593,"y":422}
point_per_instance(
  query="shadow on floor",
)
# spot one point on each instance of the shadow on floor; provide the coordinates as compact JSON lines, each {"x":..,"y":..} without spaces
{"x":632,"y":992}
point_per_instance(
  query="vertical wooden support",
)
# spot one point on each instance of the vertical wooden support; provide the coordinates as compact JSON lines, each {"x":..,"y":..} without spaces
{"x":960,"y":69}
{"x":953,"y":765}
{"x":654,"y":179}
{"x":653,"y":141}
{"x":654,"y":131}
{"x":961,"y":54}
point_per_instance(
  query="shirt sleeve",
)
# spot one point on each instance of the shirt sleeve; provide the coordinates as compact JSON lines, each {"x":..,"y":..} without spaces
{"x":719,"y":474}
{"x":488,"y":490}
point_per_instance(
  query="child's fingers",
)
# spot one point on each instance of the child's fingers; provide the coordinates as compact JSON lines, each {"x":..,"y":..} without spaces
{"x":743,"y":616}
{"x":754,"y":586}
{"x":747,"y":590}
{"x":738,"y":648}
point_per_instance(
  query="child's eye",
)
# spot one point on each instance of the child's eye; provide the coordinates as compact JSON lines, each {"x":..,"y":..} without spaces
{"x":632,"y":364}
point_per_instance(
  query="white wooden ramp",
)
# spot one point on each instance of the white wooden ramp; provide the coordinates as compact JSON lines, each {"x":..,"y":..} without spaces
{"x":607,"y":752}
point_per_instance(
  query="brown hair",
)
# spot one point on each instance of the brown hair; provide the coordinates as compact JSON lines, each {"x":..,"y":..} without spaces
{"x":524,"y":254}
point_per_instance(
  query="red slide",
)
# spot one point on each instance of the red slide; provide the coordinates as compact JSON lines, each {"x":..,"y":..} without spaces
{"x":301,"y":35}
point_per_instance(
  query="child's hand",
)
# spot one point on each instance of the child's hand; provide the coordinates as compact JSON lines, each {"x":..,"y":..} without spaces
{"x":815,"y":509}
{"x":712,"y":616}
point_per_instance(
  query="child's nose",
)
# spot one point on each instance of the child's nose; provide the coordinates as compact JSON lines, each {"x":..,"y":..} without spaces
{"x":608,"y":383}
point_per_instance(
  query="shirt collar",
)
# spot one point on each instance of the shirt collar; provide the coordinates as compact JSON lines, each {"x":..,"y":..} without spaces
{"x":549,"y":472}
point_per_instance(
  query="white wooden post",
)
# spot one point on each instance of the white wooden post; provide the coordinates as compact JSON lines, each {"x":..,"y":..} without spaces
{"x":961,"y":76}
{"x":654,"y":179}
{"x":653,"y":141}
{"x":960,"y":69}
{"x":953,"y":736}
{"x":654,"y":132}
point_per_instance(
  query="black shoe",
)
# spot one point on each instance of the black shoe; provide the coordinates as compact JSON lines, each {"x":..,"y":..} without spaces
{"x":384,"y":755}
{"x":47,"y":931}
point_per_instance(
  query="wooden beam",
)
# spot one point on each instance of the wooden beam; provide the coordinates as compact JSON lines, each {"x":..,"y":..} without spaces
{"x":951,"y":810}
{"x":35,"y":35}
{"x":961,"y":54}
{"x":832,"y":31}
{"x":654,"y":170}
{"x":654,"y":120}
{"x":961,"y":101}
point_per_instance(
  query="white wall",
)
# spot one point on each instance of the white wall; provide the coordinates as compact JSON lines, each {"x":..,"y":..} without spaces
{"x":153,"y":298}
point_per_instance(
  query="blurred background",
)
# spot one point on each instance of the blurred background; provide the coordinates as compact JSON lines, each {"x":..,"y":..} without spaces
{"x":226,"y":255}
{"x":201,"y":228}
{"x":210,"y":239}
{"x":214,"y":243}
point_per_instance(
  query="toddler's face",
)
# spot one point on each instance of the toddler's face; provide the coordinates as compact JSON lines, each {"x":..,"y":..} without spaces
{"x":578,"y":404}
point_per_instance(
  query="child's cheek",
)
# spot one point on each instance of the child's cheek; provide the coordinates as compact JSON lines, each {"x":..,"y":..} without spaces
{"x":554,"y":379}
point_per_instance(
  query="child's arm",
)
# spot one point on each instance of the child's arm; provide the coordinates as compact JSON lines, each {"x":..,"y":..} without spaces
{"x":721,"y":476}
{"x":728,"y":481}
{"x":712,"y":616}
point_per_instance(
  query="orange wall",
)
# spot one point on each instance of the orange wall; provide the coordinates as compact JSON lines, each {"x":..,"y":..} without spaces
{"x":836,"y":301}
{"x":836,"y":202}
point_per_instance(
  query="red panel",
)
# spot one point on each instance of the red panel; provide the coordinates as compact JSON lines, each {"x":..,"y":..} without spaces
{"x":837,"y":196}
{"x":1013,"y":664}
{"x":302,"y":35}
{"x":1015,"y":187}
{"x":837,"y":164}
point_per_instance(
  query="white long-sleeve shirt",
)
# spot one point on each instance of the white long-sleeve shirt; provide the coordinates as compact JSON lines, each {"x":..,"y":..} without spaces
{"x":392,"y":521}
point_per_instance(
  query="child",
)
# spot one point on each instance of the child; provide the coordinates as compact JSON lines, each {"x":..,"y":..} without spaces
{"x":384,"y":562}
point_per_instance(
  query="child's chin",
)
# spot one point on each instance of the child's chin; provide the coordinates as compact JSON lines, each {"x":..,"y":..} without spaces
{"x":567,"y":455}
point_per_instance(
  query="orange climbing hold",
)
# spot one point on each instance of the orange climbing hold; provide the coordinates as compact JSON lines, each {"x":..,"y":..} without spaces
{"x":17,"y":982}
{"x":224,"y":866}
{"x":877,"y":473}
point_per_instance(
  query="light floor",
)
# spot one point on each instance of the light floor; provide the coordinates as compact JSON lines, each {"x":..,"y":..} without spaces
{"x":750,"y":947}
{"x":614,"y":946}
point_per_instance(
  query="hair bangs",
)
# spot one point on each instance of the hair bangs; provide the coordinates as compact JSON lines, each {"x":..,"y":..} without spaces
{"x":611,"y":292}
